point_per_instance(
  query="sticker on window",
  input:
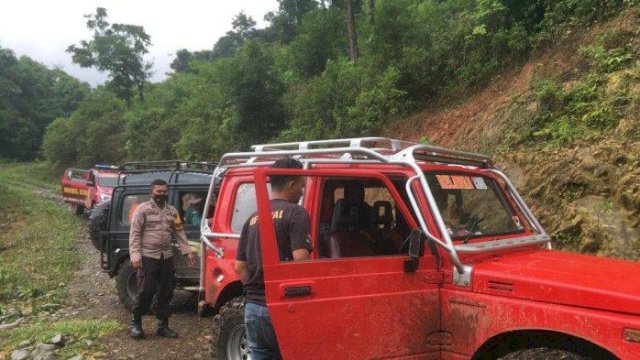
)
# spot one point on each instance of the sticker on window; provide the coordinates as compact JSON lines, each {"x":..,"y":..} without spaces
{"x":460,"y":182}
{"x":479,"y":183}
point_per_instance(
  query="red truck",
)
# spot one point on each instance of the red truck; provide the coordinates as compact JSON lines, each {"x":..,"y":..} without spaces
{"x":85,"y":188}
{"x":440,"y":258}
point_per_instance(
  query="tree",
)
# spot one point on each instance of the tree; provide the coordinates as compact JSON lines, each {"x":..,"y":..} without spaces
{"x":182,"y":62}
{"x":351,"y":30}
{"x":289,"y":16}
{"x":244,"y":28}
{"x":117,"y":49}
{"x":31,"y":97}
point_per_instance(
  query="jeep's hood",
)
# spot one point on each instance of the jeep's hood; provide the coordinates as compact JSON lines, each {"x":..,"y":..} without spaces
{"x":562,"y":278}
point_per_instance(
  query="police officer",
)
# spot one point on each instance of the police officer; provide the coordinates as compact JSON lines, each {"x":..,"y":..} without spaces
{"x":153,"y":224}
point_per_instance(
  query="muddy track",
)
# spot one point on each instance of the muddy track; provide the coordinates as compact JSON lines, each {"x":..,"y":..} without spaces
{"x":92,"y":295}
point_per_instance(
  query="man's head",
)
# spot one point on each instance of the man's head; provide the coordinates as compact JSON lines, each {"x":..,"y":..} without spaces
{"x":287,"y":187}
{"x":159,"y":190}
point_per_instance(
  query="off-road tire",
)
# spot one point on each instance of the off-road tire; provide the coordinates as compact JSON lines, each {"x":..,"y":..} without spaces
{"x":127,"y":287}
{"x":542,"y":354}
{"x":98,"y":222}
{"x":79,"y":210}
{"x":127,"y":284}
{"x":229,"y":340}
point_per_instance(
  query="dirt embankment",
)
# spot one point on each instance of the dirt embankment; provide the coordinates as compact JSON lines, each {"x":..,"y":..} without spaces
{"x":586,"y":194}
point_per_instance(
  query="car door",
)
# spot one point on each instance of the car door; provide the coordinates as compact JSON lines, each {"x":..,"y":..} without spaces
{"x":184,"y":198}
{"x":74,"y":186}
{"x":115,"y":242}
{"x":359,"y":306}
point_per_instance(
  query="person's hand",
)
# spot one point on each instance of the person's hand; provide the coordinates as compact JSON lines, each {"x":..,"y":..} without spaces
{"x":137,"y":264}
{"x":191,"y":259}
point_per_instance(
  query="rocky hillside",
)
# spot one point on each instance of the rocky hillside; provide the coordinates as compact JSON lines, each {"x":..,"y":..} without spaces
{"x":565,"y":126}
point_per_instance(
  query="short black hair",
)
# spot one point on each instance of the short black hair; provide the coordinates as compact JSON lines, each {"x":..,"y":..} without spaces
{"x":158,"y":182}
{"x":279,"y":181}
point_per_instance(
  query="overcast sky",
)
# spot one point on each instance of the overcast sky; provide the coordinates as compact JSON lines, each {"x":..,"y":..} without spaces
{"x":43,"y":29}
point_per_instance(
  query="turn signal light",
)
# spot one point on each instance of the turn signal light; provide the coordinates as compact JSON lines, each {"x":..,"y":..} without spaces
{"x":632,"y":335}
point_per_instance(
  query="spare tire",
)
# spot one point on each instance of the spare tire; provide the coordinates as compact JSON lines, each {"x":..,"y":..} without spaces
{"x":98,"y":222}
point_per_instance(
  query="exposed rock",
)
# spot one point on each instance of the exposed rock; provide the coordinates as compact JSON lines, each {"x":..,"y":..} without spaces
{"x":11,"y":325}
{"x":41,"y":347}
{"x":44,"y":352}
{"x":19,"y":355}
{"x":57,"y":340}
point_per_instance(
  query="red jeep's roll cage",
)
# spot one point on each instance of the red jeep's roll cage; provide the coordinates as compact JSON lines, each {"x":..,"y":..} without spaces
{"x":378,"y":150}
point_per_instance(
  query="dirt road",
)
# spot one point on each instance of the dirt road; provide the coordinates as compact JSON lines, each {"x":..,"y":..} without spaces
{"x":92,"y":295}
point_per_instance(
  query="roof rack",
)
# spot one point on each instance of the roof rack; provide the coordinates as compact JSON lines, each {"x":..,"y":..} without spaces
{"x":160,"y":165}
{"x":375,"y":149}
{"x":174,"y":166}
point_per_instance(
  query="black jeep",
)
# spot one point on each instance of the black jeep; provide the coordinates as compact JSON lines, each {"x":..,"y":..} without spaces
{"x":109,"y":223}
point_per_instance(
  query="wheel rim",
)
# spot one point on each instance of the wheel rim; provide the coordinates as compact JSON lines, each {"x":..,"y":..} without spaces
{"x":237,"y":345}
{"x":132,"y":286}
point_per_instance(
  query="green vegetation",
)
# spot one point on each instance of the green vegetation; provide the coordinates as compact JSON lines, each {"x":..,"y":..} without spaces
{"x":117,"y":49}
{"x":76,"y":332}
{"x":298,"y":79}
{"x":593,"y":103}
{"x":37,"y":255}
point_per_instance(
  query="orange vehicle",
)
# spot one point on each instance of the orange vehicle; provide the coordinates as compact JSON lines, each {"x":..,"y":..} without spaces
{"x":85,"y":188}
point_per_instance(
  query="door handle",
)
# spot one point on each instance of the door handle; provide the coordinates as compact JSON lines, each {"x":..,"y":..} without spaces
{"x":297,"y":290}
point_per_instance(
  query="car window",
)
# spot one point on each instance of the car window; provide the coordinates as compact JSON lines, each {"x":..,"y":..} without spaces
{"x":191,"y":206}
{"x":359,"y":217}
{"x":108,"y":180}
{"x":244,"y":205}
{"x":472,"y":205}
{"x":129,"y":205}
{"x":76,"y":174}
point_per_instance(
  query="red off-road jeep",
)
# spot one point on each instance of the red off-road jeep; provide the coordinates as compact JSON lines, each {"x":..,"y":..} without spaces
{"x":419,"y":252}
{"x":85,"y":188}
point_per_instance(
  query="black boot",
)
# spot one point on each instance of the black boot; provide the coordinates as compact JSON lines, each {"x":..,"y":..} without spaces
{"x":164,"y":331}
{"x":135,"y":329}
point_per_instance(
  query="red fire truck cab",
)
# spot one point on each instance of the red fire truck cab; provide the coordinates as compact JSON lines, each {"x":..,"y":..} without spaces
{"x":419,"y":252}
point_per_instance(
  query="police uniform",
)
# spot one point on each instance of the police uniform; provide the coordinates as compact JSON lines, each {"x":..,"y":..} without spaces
{"x":150,"y":238}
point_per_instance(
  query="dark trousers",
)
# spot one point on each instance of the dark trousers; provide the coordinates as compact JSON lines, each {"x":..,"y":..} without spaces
{"x":155,"y":274}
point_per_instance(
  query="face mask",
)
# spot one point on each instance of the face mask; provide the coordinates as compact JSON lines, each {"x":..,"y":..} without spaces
{"x":161,"y":200}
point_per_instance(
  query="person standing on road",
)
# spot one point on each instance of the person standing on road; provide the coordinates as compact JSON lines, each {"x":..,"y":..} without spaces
{"x":153,"y":224}
{"x":291,"y":223}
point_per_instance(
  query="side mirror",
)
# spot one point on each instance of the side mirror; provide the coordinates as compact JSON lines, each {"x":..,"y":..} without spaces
{"x":416,"y":250}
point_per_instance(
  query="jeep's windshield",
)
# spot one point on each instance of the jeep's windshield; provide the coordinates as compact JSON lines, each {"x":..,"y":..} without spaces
{"x":472,"y":206}
{"x":108,"y":180}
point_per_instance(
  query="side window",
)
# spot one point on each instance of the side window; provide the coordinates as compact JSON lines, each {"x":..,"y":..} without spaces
{"x":244,"y":206}
{"x":191,"y":206}
{"x":129,"y":205}
{"x":359,"y":217}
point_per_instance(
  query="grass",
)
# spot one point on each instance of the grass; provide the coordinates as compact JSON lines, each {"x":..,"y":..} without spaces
{"x":38,"y":255}
{"x":76,"y":333}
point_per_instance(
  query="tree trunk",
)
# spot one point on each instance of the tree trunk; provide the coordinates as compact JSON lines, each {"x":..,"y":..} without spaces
{"x":351,"y":29}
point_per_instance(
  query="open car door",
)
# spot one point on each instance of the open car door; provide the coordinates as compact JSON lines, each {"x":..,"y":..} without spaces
{"x":357,"y":306}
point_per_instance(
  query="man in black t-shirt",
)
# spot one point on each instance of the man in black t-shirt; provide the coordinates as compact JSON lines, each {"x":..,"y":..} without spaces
{"x":291,"y":223}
